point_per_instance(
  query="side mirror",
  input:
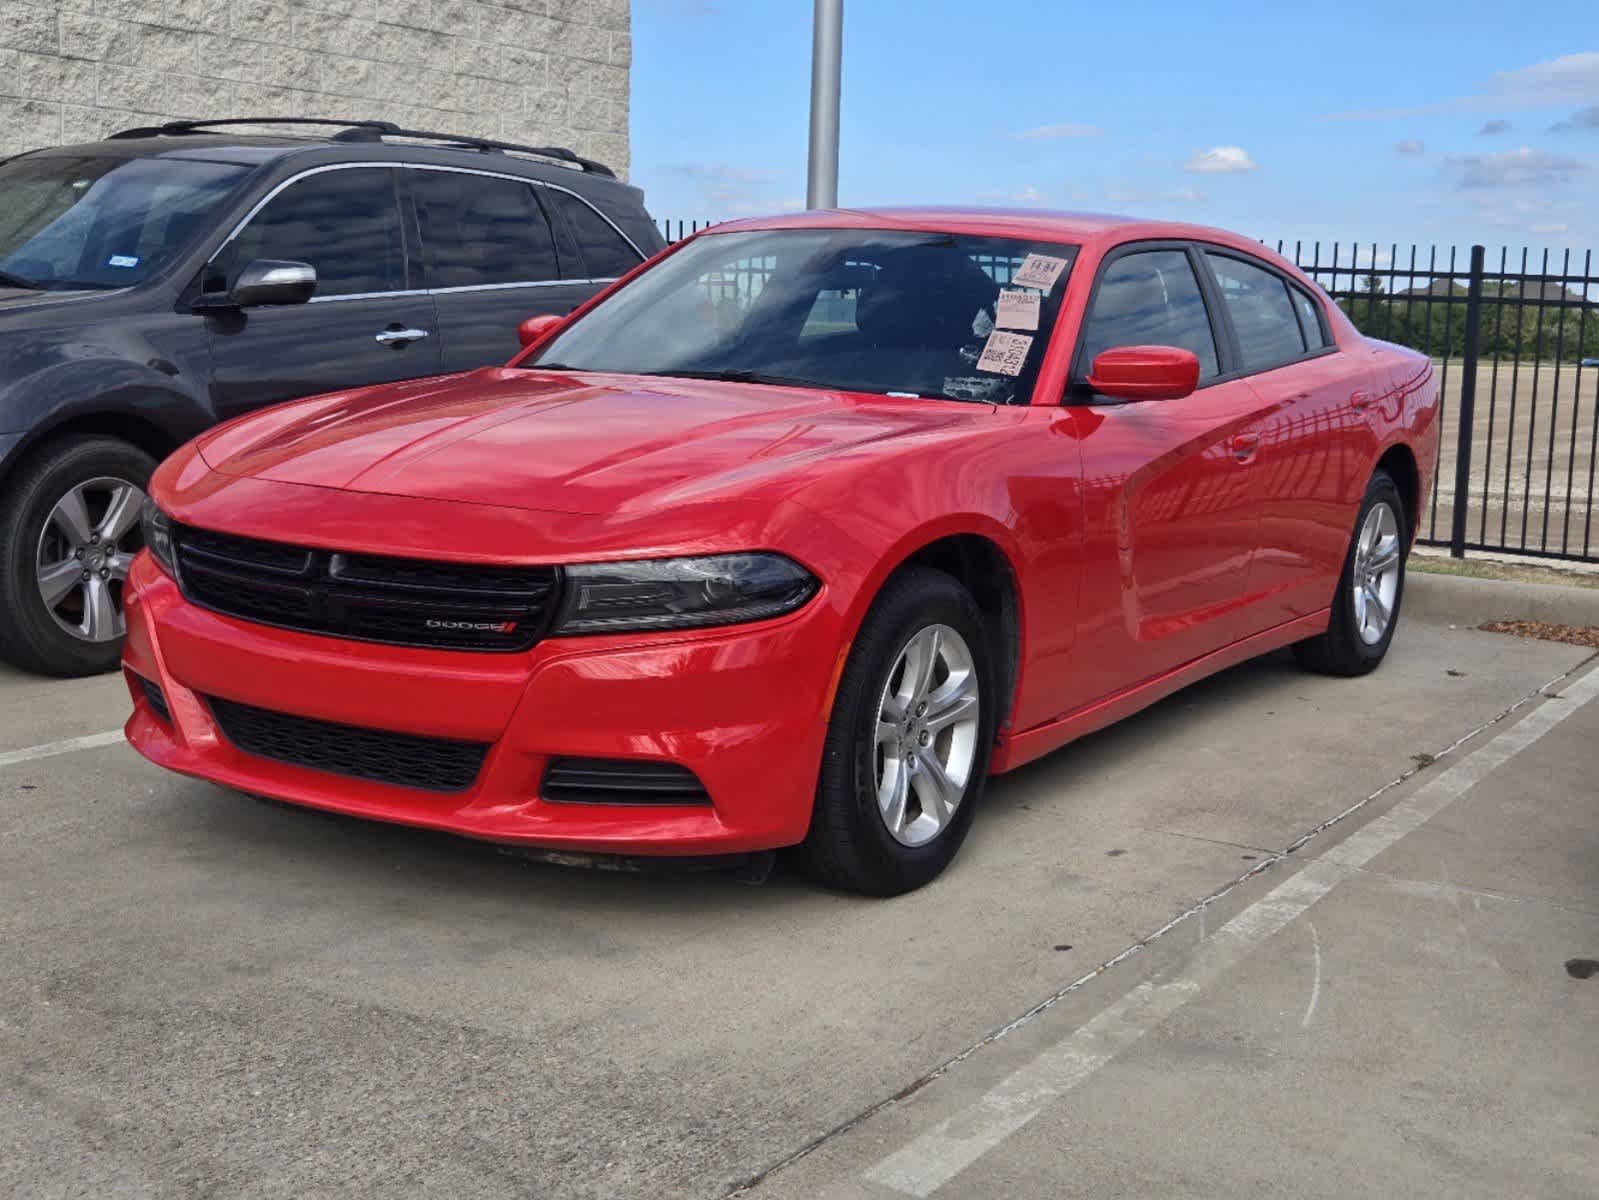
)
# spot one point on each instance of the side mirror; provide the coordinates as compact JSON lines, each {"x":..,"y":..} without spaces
{"x":269,"y":281}
{"x":536,"y":329}
{"x":1145,"y":373}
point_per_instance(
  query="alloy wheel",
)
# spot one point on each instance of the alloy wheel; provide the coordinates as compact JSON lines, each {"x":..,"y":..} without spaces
{"x":1375,"y":579}
{"x":927,"y":730}
{"x":87,"y":543}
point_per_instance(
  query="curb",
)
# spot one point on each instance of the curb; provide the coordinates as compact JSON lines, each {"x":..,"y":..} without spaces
{"x":1461,"y":600}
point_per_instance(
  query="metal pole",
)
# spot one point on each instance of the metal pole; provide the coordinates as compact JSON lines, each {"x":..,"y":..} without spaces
{"x":827,"y":52}
{"x":1468,"y":404}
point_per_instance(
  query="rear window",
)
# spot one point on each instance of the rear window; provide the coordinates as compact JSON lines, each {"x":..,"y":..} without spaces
{"x":606,"y":253}
{"x":481,"y":230}
{"x":1262,"y":313}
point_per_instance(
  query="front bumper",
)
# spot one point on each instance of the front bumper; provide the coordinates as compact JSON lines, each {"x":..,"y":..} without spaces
{"x":744,"y":708}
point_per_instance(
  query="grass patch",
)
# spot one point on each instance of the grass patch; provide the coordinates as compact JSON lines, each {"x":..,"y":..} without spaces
{"x":1479,"y":568}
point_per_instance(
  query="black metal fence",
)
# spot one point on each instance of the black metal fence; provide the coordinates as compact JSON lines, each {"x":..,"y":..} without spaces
{"x":1515,"y":342}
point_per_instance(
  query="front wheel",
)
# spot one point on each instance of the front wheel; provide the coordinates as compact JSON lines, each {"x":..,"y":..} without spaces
{"x":1365,"y":612}
{"x":908,"y":744}
{"x":69,"y":527}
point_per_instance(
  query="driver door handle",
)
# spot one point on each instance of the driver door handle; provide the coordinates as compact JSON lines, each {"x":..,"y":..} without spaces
{"x":1244,"y":446}
{"x":400,"y":337}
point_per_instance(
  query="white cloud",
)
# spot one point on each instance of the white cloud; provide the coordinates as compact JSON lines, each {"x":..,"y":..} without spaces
{"x":1185,"y":194}
{"x":1569,"y":79}
{"x":1490,"y":128}
{"x":1525,"y":167}
{"x":1587,"y":118}
{"x":1220,"y":160}
{"x":1410,"y":146}
{"x":1055,"y":132}
{"x":1548,"y":228}
{"x":1029,"y":195}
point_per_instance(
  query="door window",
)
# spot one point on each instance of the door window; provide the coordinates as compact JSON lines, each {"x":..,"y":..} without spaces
{"x":1262,"y":312}
{"x":479,"y":229}
{"x":1309,"y":319}
{"x":345,"y":223}
{"x":606,"y":253}
{"x":1150,"y":298}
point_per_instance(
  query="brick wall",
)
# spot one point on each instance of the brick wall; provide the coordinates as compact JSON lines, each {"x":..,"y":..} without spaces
{"x":535,"y":71}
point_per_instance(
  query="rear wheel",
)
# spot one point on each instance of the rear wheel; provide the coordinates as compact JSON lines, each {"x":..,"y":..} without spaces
{"x":908,"y":744}
{"x":69,"y":528}
{"x":1365,"y":611}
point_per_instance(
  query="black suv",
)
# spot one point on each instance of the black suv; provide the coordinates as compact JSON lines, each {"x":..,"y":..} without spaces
{"x":168,"y":278}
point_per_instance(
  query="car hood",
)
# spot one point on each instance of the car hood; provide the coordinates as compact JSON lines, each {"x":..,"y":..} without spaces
{"x":555,"y":442}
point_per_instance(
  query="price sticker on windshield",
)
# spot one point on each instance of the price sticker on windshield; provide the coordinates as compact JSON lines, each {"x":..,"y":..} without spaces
{"x":1017,"y":310}
{"x":1039,"y":271}
{"x":1005,"y":353}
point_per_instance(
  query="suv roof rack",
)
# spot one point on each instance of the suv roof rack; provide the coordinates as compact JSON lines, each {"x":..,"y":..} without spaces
{"x":375,"y":131}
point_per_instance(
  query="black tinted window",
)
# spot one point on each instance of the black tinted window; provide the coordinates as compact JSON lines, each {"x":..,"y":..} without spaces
{"x":1150,"y":299}
{"x":344,"y":223}
{"x":1309,"y":319}
{"x":479,"y":229}
{"x":606,"y":253}
{"x":1263,"y":315}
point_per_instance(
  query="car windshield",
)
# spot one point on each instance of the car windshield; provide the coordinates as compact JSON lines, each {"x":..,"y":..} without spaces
{"x":101,"y":222}
{"x":925,"y":314}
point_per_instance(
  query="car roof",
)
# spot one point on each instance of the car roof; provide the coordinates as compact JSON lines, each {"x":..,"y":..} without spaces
{"x":253,"y":150}
{"x":1039,"y":224}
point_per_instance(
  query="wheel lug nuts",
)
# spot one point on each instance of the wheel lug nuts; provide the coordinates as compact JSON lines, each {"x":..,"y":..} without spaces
{"x":925,"y":738}
{"x":104,"y":574}
{"x":94,"y":539}
{"x":921,"y":709}
{"x":78,"y":554}
{"x":86,"y":574}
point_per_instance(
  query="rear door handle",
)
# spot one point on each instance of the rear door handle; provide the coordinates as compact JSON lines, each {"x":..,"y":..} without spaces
{"x":1361,"y":400}
{"x":400,"y":336}
{"x":1245,"y":445}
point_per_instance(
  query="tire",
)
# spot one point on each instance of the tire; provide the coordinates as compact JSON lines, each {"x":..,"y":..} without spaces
{"x":34,"y":634}
{"x":1349,"y":646}
{"x":851,"y":844}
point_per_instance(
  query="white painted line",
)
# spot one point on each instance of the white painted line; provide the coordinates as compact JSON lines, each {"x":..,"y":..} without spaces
{"x":92,"y":741}
{"x":1315,"y":983}
{"x":942,"y":1152}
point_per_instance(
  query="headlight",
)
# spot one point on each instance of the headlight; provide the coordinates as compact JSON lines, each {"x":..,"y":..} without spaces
{"x":681,"y":593}
{"x":157,"y":528}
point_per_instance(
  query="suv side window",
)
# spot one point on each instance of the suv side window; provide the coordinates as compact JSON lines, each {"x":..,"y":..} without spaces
{"x":1262,"y":312}
{"x":606,"y":253}
{"x":345,"y":223}
{"x":1149,"y":298}
{"x":479,"y":229}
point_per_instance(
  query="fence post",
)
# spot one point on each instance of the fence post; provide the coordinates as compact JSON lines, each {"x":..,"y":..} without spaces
{"x":1468,"y":404}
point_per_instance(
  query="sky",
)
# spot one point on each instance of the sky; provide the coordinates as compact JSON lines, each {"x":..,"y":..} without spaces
{"x":1441,"y":122}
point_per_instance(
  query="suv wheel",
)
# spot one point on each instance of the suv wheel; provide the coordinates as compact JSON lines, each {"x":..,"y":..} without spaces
{"x":69,"y":527}
{"x":907,"y":748}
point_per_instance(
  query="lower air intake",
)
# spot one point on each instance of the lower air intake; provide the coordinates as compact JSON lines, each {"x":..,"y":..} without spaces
{"x":403,"y":759}
{"x":620,"y":781}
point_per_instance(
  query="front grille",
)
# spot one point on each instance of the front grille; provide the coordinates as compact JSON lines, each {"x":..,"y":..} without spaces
{"x":405,"y":759}
{"x":620,"y":781}
{"x":401,"y":601}
{"x":156,"y":698}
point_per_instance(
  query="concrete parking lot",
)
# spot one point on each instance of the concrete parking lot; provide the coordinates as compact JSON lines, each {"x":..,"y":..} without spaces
{"x":207,"y":996}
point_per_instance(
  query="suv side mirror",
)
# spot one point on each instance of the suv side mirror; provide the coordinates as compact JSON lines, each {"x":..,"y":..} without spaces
{"x":1145,"y":373}
{"x":270,"y":281}
{"x":536,"y":329}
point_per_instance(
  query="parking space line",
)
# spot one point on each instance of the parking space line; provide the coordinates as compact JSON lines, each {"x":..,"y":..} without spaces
{"x":90,"y":741}
{"x":949,"y":1147}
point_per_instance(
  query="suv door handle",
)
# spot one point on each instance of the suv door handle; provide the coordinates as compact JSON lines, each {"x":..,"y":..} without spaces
{"x":396,"y":335}
{"x":1245,"y":445}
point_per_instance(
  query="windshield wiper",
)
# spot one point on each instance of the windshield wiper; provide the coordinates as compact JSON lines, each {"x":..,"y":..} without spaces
{"x":742,"y":375}
{"x":18,"y":281}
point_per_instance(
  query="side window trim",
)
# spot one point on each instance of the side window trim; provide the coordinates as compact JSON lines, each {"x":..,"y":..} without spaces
{"x":558,"y":219}
{"x":1220,"y":329}
{"x":412,"y":245}
{"x":1204,"y":251}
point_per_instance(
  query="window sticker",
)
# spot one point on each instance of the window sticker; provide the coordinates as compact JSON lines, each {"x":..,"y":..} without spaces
{"x":1005,"y":353}
{"x":1018,"y":310}
{"x":1039,"y":271}
{"x":982,"y":324}
{"x":122,"y":260}
{"x":972,"y":387}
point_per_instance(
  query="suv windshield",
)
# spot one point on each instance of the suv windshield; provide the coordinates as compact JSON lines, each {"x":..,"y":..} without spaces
{"x":101,"y":222}
{"x":927,"y":314}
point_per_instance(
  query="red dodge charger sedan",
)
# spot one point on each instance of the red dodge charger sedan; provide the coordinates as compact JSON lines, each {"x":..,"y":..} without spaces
{"x":792,"y":537}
